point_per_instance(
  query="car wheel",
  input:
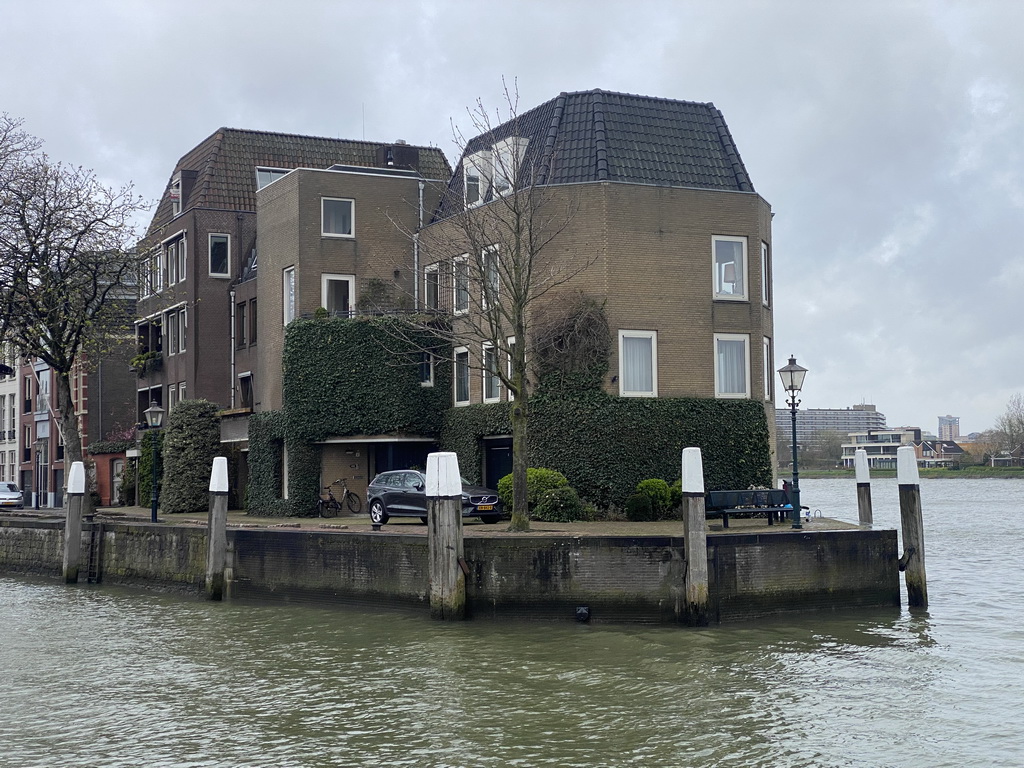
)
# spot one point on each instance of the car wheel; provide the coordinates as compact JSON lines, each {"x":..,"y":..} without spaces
{"x":490,"y":519}
{"x":378,"y":514}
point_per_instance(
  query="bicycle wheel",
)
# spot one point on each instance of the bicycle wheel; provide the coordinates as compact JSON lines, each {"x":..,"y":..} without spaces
{"x":319,"y":512}
{"x":331,"y":508}
{"x":353,"y":502}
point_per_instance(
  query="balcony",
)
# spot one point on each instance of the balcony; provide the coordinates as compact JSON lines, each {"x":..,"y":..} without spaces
{"x":147,"y":363}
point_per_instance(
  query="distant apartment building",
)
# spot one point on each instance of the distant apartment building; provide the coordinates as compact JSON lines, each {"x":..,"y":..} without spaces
{"x":880,"y":445}
{"x":9,"y":416}
{"x":813,"y":423}
{"x":949,"y":427}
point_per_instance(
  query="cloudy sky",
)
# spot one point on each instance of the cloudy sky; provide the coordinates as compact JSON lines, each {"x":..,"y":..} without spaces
{"x":887,"y":136}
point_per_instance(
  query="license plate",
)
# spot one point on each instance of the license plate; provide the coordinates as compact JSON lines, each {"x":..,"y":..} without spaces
{"x":485,"y":507}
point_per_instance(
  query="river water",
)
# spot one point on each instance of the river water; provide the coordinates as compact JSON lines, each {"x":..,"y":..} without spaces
{"x":100,"y":676}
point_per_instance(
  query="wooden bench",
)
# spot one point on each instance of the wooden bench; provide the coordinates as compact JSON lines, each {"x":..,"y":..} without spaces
{"x":771,"y":502}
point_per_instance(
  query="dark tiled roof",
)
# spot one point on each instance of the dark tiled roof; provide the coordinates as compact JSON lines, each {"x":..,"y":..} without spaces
{"x":602,"y":136}
{"x":224,"y":165}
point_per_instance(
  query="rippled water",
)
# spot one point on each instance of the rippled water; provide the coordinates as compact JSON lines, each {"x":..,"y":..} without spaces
{"x":97,"y":676}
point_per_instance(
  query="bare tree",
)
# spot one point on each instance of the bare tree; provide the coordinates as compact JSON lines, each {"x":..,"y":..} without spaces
{"x":1011,"y":423}
{"x":497,"y":258}
{"x":67,"y":270}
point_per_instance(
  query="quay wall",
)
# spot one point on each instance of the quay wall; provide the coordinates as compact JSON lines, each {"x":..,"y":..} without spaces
{"x":628,"y":579}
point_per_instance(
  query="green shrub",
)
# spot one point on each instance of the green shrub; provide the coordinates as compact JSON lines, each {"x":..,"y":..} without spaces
{"x":658,"y":492}
{"x":191,"y":440}
{"x":538,"y":482}
{"x":560,"y":505}
{"x":676,"y":491}
{"x":639,"y":508}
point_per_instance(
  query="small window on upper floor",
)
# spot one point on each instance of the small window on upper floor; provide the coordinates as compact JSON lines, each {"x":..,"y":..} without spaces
{"x":220,"y":255}
{"x":638,"y":363}
{"x":265,"y":176}
{"x":461,"y":378}
{"x":476,"y":177}
{"x":732,"y":368}
{"x":508,"y":156}
{"x":730,"y":267}
{"x":288,"y":294}
{"x":337,"y":218}
{"x":432,"y":287}
{"x":175,"y":195}
{"x":460,"y":270}
{"x":766,"y":275}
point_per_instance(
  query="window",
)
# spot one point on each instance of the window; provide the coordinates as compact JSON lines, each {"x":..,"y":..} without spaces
{"x":3,"y":417}
{"x":476,"y":175}
{"x":26,"y":394}
{"x":732,"y":374}
{"x":337,"y":294}
{"x":171,"y":259}
{"x":241,"y":323}
{"x":172,"y":396}
{"x":288,"y":291}
{"x":175,"y":196}
{"x":511,"y":357}
{"x":769,"y":370}
{"x":432,"y":286}
{"x":492,"y":278}
{"x":266,"y":176}
{"x":730,"y":259}
{"x":43,"y":393}
{"x":461,"y":376}
{"x":508,"y":156}
{"x":426,"y":369}
{"x":252,"y":321}
{"x":245,"y":389}
{"x":26,"y":444}
{"x":220,"y":255}
{"x":638,"y":363}
{"x":492,"y":382}
{"x":176,"y":331}
{"x":766,"y":276}
{"x":181,"y":391}
{"x":337,"y":217}
{"x":461,"y":283}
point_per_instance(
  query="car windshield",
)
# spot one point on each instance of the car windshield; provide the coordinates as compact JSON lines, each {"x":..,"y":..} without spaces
{"x":11,"y":487}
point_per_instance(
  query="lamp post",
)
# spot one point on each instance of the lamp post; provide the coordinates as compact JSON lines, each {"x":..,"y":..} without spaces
{"x":793,"y":381}
{"x":155,"y":419}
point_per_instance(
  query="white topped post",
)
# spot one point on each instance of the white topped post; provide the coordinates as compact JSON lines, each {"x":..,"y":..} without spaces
{"x":73,"y":523}
{"x":860,"y":464}
{"x":912,"y":561}
{"x":446,"y":564}
{"x":695,"y":538}
{"x":217,"y":536}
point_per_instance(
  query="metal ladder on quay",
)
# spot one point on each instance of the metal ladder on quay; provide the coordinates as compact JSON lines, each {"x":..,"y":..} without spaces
{"x":92,"y":567}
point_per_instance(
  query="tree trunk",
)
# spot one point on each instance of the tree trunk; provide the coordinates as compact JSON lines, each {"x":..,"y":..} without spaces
{"x":520,"y":461}
{"x":65,"y":409}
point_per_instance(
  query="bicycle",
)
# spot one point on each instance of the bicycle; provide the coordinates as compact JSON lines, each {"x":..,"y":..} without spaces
{"x":330,"y":507}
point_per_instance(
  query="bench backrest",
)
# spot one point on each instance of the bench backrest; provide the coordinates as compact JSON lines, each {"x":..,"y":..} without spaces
{"x":769,"y":497}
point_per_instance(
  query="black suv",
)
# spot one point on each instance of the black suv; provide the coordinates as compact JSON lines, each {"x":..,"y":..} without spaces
{"x":402,"y":493}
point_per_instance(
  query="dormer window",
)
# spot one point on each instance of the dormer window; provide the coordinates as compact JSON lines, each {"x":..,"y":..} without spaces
{"x":175,"y":195}
{"x":476,"y":177}
{"x":508,"y":156}
{"x":265,"y":176}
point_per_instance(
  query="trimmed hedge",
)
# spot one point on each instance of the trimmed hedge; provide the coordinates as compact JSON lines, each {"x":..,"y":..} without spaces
{"x":606,"y":445}
{"x":560,"y":505}
{"x":191,"y":441}
{"x":538,"y":482}
{"x":146,"y":443}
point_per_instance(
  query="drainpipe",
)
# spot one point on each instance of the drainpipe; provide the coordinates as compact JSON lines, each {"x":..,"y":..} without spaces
{"x":231,"y":296}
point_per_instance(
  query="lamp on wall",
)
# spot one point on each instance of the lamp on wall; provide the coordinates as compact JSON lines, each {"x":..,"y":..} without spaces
{"x":793,"y":381}
{"x":155,"y":419}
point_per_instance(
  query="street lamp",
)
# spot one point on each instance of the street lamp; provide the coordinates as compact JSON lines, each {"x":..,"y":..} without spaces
{"x":155,"y":419}
{"x":793,"y":381}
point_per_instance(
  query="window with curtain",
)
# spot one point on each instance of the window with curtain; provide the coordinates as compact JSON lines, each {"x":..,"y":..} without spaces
{"x":461,"y":376}
{"x":638,"y":363}
{"x":732,"y":375}
{"x":730,"y":266}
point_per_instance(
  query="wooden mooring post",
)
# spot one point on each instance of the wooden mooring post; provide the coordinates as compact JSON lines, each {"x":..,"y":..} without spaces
{"x":864,"y":511}
{"x":912,"y":561}
{"x":445,"y":555}
{"x":217,"y":537}
{"x":73,"y":523}
{"x":695,"y":536}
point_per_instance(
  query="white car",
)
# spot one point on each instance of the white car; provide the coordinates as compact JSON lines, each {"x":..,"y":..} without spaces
{"x":11,"y":497}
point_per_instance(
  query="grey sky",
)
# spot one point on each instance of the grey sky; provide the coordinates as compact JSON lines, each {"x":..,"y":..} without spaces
{"x":887,"y":137}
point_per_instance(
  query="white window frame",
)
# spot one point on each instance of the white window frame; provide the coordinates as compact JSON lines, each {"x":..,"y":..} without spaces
{"x":490,"y":256}
{"x":289,"y":294}
{"x":181,"y":391}
{"x":769,"y":366}
{"x":252,"y":391}
{"x":327,"y":277}
{"x":172,"y":397}
{"x":489,"y":374}
{"x":429,"y":360}
{"x":508,"y":156}
{"x":632,"y":334}
{"x":175,"y":195}
{"x":481,"y":163}
{"x":171,"y":261}
{"x":766,"y":274}
{"x":435,"y":270}
{"x":457,"y":353}
{"x":351,"y":217}
{"x":745,"y":338}
{"x":742,"y":271}
{"x":463,"y":260}
{"x":511,"y":341}
{"x":209,"y":254}
{"x":278,"y":173}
